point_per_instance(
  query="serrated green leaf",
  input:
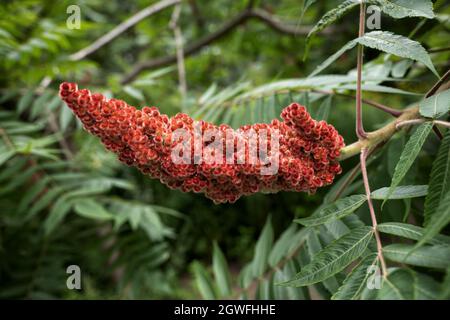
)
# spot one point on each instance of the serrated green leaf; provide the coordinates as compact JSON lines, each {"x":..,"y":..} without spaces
{"x":355,"y":281}
{"x":435,"y":106}
{"x":439,"y":179}
{"x":204,"y":282}
{"x":399,"y":285}
{"x":409,"y":154}
{"x":397,"y":45}
{"x":387,"y":42}
{"x":401,"y":192}
{"x":425,"y":287}
{"x":262,"y":249}
{"x":337,"y":210}
{"x":406,"y":284}
{"x":333,"y":258}
{"x":332,"y":16}
{"x":439,"y":220}
{"x":221,"y":272}
{"x":405,"y":8}
{"x":410,"y":231}
{"x":91,"y":209}
{"x":314,"y":246}
{"x":436,"y":256}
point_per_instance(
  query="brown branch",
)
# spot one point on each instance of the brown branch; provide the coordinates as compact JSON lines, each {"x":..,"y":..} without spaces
{"x":224,"y":30}
{"x":122,"y":27}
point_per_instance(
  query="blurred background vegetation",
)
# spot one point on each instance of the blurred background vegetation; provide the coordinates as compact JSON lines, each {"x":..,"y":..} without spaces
{"x":65,"y":200}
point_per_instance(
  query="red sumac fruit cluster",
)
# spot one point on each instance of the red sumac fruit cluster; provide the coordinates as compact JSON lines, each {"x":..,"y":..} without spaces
{"x":296,"y":154}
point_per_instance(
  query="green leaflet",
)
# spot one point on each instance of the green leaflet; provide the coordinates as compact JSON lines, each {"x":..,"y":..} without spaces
{"x":439,"y":179}
{"x":436,"y":256}
{"x":204,"y":282}
{"x":405,"y":8}
{"x":406,"y":284}
{"x":409,"y":154}
{"x":438,"y":221}
{"x":337,"y":210}
{"x":332,"y":16}
{"x":262,"y":249}
{"x":88,"y":208}
{"x":401,"y":192}
{"x":355,"y":281}
{"x":333,"y":258}
{"x":314,"y":246}
{"x":397,"y":45}
{"x":410,"y":231}
{"x":435,"y":106}
{"x":445,"y":286}
{"x":387,"y":42}
{"x":221,"y":272}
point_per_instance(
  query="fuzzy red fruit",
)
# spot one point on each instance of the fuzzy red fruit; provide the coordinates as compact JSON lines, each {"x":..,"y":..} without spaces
{"x":306,"y":150}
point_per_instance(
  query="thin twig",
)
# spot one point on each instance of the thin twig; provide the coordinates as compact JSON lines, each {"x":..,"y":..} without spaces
{"x":438,"y":84}
{"x":409,"y":123}
{"x":436,"y":50}
{"x":363,"y":158}
{"x":361,"y":134}
{"x":225,"y":29}
{"x":391,"y":111}
{"x":122,"y":27}
{"x":442,"y":123}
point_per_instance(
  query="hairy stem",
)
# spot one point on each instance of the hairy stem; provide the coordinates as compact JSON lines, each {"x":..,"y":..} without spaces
{"x":378,"y":136}
{"x":361,"y":134}
{"x":363,"y":157}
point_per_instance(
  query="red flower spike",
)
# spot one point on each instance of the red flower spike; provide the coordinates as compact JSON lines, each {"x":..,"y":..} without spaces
{"x":306,"y":151}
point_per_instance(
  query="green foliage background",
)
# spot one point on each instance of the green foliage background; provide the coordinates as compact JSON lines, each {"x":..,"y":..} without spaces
{"x":65,"y":200}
